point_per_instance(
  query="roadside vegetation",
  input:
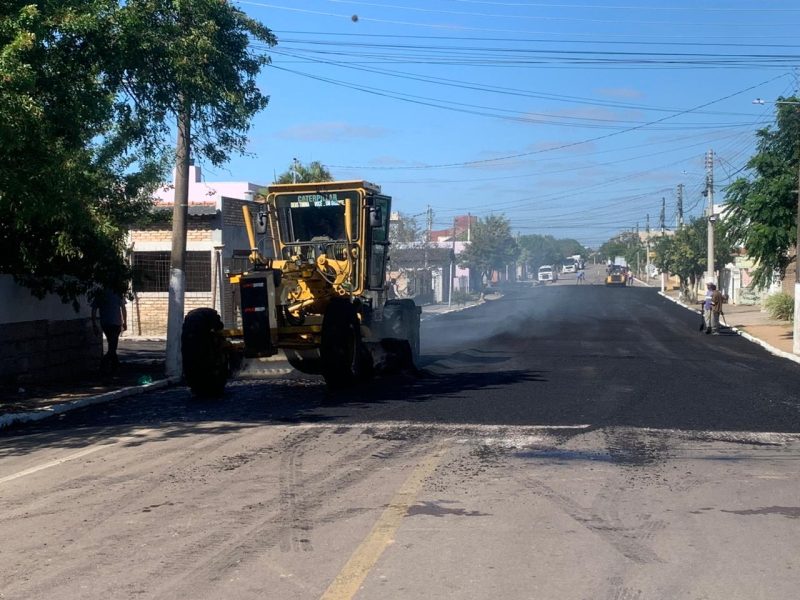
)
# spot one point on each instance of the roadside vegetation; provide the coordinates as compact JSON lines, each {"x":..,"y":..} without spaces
{"x":88,"y":109}
{"x":780,"y":306}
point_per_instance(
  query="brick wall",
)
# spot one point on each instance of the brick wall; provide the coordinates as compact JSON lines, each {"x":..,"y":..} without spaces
{"x":147,"y":313}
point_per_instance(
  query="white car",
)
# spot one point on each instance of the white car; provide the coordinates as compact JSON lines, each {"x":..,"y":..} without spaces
{"x":547,"y":273}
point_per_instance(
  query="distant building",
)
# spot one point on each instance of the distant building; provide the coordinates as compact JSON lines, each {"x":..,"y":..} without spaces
{"x":421,"y":273}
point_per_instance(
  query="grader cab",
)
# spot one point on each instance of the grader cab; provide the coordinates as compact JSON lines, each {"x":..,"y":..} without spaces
{"x":321,"y":298}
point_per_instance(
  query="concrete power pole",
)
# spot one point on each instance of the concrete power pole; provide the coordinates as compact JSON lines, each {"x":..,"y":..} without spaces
{"x":710,"y":213}
{"x":662,"y":219}
{"x":796,"y":325}
{"x":177,"y":273}
{"x":680,"y":205}
{"x":638,"y":249}
{"x":647,"y":248}
{"x":429,"y":227}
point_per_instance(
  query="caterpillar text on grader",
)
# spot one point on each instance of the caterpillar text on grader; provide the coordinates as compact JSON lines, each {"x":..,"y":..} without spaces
{"x":322,"y":298}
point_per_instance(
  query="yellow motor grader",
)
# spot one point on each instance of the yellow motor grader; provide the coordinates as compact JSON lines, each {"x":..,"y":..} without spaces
{"x":321,"y":298}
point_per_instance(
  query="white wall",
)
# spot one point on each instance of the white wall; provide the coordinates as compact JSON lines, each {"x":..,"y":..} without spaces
{"x":206,"y":191}
{"x":17,"y":305}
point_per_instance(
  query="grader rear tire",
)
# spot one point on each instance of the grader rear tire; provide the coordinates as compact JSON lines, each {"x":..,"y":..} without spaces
{"x":205,"y":358}
{"x":342,"y":351}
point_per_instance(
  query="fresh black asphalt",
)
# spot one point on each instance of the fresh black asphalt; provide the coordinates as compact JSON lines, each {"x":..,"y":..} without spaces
{"x":561,"y":355}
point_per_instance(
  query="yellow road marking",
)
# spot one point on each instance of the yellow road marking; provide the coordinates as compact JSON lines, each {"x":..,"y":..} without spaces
{"x":350,"y":578}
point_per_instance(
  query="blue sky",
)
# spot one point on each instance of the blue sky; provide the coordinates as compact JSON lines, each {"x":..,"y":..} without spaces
{"x":572,"y":118}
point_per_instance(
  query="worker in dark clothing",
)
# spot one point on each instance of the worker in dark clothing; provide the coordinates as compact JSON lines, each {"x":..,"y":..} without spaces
{"x":113,"y":321}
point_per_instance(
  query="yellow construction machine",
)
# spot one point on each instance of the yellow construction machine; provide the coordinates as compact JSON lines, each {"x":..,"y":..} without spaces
{"x":321,"y":298}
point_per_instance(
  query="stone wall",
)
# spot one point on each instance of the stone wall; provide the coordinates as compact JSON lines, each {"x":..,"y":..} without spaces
{"x":48,"y":350}
{"x":44,"y":339}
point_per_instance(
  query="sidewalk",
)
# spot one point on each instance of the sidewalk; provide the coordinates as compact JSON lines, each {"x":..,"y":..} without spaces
{"x":141,"y":369}
{"x":754,"y":324}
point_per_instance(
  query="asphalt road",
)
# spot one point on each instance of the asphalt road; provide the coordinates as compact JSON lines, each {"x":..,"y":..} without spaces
{"x":565,"y":441}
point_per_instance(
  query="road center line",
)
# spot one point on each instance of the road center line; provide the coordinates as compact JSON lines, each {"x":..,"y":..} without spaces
{"x":350,"y":578}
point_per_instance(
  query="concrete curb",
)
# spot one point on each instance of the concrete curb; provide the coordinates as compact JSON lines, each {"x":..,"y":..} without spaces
{"x":430,"y":315}
{"x":751,"y":338}
{"x":57,"y":409}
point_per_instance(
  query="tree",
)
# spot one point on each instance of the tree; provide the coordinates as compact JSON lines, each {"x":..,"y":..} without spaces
{"x":569,"y":247}
{"x":406,"y":231}
{"x":491,"y":247}
{"x":68,"y":182}
{"x":627,"y":244}
{"x":685,"y":254}
{"x":90,"y":90}
{"x":762,"y":207}
{"x":300,"y":173}
{"x":536,"y":250}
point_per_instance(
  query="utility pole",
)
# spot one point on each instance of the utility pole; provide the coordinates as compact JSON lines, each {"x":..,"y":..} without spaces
{"x":710,"y":212}
{"x":647,"y":248}
{"x":796,"y":323}
{"x":452,"y":266}
{"x":663,"y":231}
{"x":294,"y":170}
{"x":177,"y":273}
{"x":638,"y":250}
{"x":680,"y":205}
{"x":429,"y":227}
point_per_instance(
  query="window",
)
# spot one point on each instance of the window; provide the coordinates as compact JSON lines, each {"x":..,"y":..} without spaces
{"x":151,"y":271}
{"x":306,"y":216}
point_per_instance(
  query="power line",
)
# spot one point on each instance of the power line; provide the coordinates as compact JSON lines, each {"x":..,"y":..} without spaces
{"x":567,"y":145}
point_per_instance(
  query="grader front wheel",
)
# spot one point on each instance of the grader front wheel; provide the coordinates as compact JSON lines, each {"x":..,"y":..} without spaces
{"x":342,"y":351}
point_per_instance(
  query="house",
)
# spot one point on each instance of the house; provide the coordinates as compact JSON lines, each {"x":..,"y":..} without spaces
{"x":422,"y":273}
{"x":215,"y":241}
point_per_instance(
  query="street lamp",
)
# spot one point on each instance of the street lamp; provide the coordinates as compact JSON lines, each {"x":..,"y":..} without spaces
{"x":796,"y":324}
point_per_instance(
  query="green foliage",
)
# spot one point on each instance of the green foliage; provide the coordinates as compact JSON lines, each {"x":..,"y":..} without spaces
{"x":536,"y":250}
{"x":200,"y":53}
{"x":491,"y":248}
{"x":87,"y":102}
{"x":569,"y":247}
{"x":300,"y":173}
{"x":627,"y":244}
{"x":406,"y":231}
{"x":463,"y":296}
{"x":65,"y":194}
{"x":780,"y":306}
{"x":685,"y":254}
{"x":763,"y":206}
